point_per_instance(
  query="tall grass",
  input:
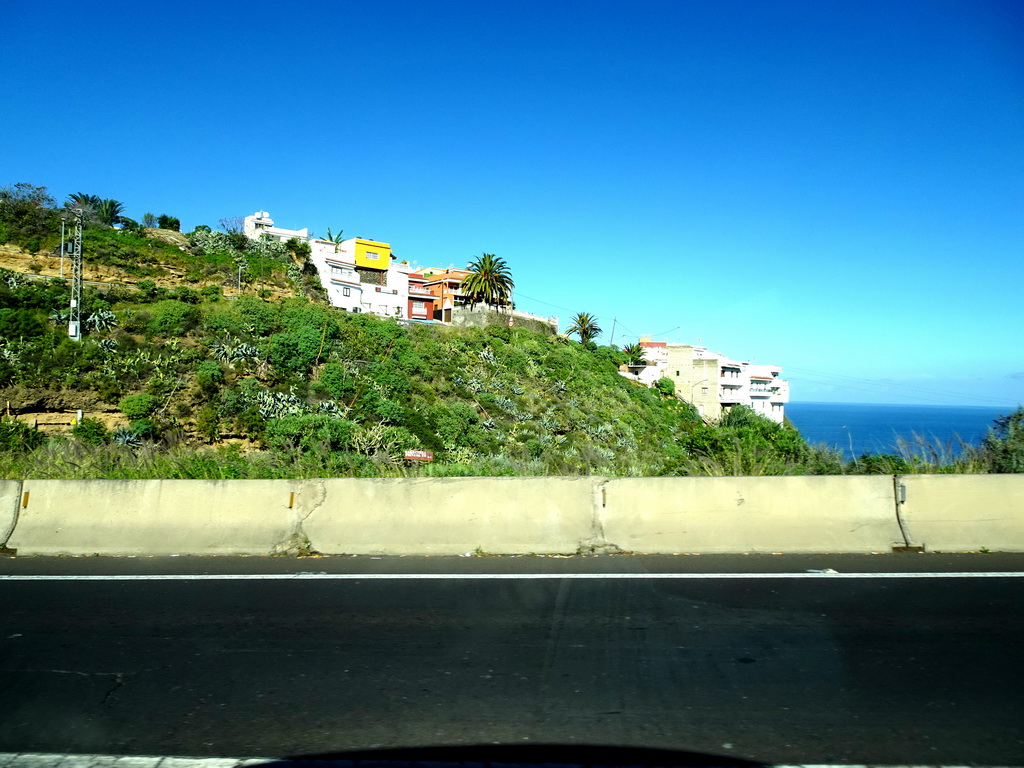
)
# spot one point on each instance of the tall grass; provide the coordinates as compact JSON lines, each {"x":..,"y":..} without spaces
{"x":72,"y":459}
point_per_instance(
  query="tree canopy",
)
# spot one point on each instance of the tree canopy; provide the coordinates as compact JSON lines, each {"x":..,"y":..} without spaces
{"x":585,"y":326}
{"x":489,"y":280}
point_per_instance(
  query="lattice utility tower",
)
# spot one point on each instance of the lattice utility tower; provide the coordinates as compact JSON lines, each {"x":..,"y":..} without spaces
{"x":75,"y":252}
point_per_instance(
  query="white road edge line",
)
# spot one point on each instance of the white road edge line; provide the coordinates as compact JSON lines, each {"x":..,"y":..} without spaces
{"x":499,"y":576}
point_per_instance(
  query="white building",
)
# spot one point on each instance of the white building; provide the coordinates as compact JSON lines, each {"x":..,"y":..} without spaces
{"x":359,"y":275}
{"x":260,"y":223}
{"x":337,"y":270}
{"x":713,"y":382}
{"x":362,"y":276}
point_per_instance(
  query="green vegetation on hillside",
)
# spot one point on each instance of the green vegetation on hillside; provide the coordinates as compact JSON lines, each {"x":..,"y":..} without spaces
{"x":203,"y":387}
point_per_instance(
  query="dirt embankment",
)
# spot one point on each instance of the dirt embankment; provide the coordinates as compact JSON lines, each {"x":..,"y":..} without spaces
{"x":55,"y":411}
{"x":47,"y":264}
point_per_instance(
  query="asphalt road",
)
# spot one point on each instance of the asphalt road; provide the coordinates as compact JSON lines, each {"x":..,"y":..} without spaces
{"x":809,"y":669}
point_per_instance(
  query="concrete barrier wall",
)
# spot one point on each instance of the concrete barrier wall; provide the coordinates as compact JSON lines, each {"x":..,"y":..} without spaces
{"x":542,"y":515}
{"x":10,"y":498}
{"x":452,"y":516}
{"x":751,"y":514}
{"x":965,"y":513}
{"x":154,"y":517}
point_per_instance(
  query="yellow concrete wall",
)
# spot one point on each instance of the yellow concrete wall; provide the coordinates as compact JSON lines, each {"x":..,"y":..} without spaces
{"x":965,"y":513}
{"x":10,"y":497}
{"x":750,"y":514}
{"x":511,"y":515}
{"x":154,"y":517}
{"x":383,"y":250}
{"x":452,"y":516}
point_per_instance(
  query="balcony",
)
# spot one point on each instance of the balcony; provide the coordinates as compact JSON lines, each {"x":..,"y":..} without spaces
{"x":415,"y":290}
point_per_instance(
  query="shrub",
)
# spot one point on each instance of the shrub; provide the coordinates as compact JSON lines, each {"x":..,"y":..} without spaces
{"x":146,"y":429}
{"x":91,"y":431}
{"x":168,"y":222}
{"x":208,"y":423}
{"x":27,"y":215}
{"x":172,"y":318}
{"x":147,"y":290}
{"x":209,"y":376}
{"x":211,"y":292}
{"x":666,"y":386}
{"x":1004,"y":443}
{"x":138,"y":406}
{"x":310,"y":432}
{"x":261,"y":318}
{"x":186,"y":295}
{"x":20,"y":324}
{"x":18,"y":436}
{"x":337,"y":383}
{"x":296,"y":351}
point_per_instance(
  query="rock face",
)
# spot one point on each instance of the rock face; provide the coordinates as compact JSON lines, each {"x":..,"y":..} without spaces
{"x":32,"y":400}
{"x":168,"y":236}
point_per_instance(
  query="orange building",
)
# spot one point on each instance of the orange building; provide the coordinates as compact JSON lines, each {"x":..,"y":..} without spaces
{"x":446,"y":286}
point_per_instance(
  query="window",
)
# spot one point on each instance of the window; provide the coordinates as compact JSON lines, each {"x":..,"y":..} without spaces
{"x":373,"y":255}
{"x":346,"y":291}
{"x":704,"y":390}
{"x":336,"y":270}
{"x":419,"y":307}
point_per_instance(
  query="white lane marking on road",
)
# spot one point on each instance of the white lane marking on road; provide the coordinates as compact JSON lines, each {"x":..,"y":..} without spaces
{"x":473,"y":576}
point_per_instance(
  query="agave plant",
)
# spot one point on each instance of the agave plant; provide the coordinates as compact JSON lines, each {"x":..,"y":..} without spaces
{"x":101,"y":320}
{"x":11,"y":279}
{"x":330,"y":408}
{"x":10,"y":352}
{"x":275,"y":405}
{"x":505,"y":403}
{"x":126,"y":436}
{"x":244,"y":353}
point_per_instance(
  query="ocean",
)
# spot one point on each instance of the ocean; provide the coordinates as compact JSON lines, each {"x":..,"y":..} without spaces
{"x":872,"y":429}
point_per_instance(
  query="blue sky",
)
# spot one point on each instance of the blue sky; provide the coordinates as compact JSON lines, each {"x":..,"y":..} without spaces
{"x":834,"y":187}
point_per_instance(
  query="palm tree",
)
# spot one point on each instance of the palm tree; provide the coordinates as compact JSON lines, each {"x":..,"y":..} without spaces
{"x":585,"y":326}
{"x":336,"y":239}
{"x":83,"y":200}
{"x":489,"y":280}
{"x":635,"y":353}
{"x":109,"y":212}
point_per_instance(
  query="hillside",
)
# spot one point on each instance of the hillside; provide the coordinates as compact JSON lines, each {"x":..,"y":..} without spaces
{"x":296,"y":387}
{"x":210,"y":355}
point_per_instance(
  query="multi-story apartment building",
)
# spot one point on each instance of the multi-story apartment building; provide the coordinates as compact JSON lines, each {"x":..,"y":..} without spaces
{"x":445,"y":284}
{"x":421,"y":300}
{"x":359,"y":275}
{"x":337,"y":270}
{"x":712,"y":382}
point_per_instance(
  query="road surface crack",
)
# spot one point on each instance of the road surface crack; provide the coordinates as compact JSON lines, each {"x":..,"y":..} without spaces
{"x":118,"y":683}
